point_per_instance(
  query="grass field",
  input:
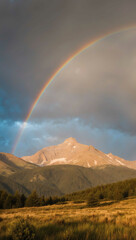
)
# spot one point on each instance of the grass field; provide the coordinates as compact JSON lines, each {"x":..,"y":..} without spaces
{"x":75,"y":221}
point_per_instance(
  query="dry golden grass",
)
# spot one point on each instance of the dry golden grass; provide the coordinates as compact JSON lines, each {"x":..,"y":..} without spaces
{"x":123,"y":211}
{"x":120,"y":213}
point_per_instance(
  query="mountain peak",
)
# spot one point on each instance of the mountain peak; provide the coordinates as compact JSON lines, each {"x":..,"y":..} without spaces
{"x":70,"y":140}
{"x":73,"y":153}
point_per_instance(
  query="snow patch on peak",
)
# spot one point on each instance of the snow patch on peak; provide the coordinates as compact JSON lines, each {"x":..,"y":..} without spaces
{"x":42,"y":163}
{"x":95,"y":162}
{"x":88,"y":164}
{"x":109,"y":155}
{"x":119,"y":162}
{"x":58,"y":160}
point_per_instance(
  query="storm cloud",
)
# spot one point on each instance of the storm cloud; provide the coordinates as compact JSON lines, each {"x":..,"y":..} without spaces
{"x":95,"y":94}
{"x":97,"y":87}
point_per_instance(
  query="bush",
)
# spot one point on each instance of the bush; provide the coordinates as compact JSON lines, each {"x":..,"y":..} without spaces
{"x":23,"y":230}
{"x":92,"y":201}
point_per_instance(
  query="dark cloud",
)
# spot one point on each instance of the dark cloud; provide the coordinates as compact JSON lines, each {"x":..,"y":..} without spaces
{"x":98,"y":87}
{"x":36,"y":36}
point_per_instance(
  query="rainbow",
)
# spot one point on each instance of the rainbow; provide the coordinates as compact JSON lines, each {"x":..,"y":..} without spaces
{"x":56,"y":73}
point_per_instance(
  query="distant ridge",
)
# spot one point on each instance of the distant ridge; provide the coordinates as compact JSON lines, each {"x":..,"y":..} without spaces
{"x":10,"y":164}
{"x":73,"y":153}
{"x":63,"y":179}
{"x":17,"y":174}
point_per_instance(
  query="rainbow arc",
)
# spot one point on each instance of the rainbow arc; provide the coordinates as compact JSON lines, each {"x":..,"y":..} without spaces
{"x":58,"y":70}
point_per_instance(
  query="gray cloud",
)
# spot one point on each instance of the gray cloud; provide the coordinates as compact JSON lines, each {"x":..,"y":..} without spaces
{"x":98,"y":87}
{"x":50,"y":133}
{"x":36,"y":36}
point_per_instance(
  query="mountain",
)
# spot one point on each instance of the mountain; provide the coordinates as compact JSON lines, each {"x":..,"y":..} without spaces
{"x":17,"y":174}
{"x":73,"y":153}
{"x":66,"y":168}
{"x":10,"y":164}
{"x":63,"y":179}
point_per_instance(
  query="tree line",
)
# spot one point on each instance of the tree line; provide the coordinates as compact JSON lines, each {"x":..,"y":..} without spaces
{"x":114,"y":191}
{"x":18,"y":200}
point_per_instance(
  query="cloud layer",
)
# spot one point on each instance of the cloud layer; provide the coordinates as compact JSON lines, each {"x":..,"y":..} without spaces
{"x":98,"y":87}
{"x":93,"y":99}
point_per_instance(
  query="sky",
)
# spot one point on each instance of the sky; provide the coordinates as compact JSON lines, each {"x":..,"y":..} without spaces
{"x":92,"y":99}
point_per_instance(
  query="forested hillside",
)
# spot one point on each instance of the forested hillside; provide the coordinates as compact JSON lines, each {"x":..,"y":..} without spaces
{"x":62,"y":179}
{"x":115,"y":191}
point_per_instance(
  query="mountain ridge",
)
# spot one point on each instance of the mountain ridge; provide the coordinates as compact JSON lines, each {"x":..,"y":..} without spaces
{"x":10,"y":164}
{"x":73,"y":153}
{"x":49,"y":180}
{"x":63,"y":179}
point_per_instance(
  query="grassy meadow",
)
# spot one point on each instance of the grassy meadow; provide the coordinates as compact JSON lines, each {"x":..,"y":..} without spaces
{"x":110,"y":220}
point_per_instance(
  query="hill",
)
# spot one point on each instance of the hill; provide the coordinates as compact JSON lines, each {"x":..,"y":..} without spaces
{"x":10,"y":164}
{"x":73,"y":153}
{"x":63,"y":179}
{"x":114,"y":191}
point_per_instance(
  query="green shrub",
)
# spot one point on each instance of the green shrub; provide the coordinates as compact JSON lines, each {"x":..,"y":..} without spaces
{"x":92,"y":201}
{"x":23,"y":230}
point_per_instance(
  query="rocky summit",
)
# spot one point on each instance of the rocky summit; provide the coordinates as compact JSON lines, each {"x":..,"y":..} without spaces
{"x":73,"y":153}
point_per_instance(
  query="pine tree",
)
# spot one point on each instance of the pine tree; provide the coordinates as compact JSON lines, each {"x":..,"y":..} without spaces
{"x":9,"y":202}
{"x":33,"y":200}
{"x":48,"y":201}
{"x":18,"y":202}
{"x":118,"y":194}
{"x":3,"y":197}
{"x":23,"y":200}
{"x":42,"y":201}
